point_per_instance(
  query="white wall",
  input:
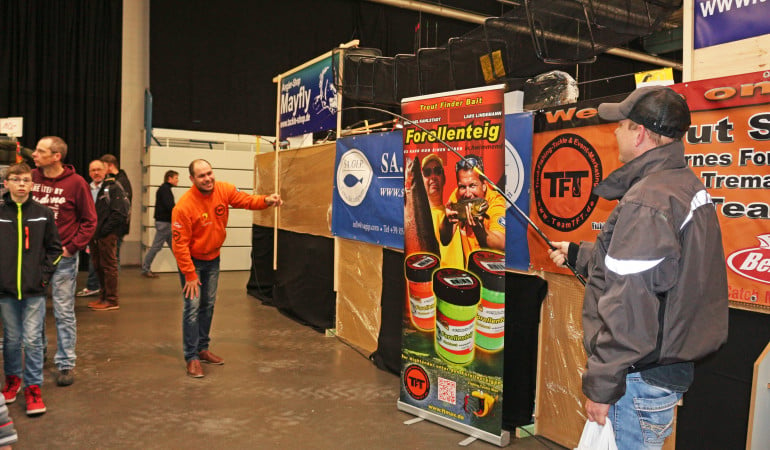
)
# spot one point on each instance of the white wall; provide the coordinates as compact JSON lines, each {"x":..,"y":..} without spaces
{"x":136,"y":78}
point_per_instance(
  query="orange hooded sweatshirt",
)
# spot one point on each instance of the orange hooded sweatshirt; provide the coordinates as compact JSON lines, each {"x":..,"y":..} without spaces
{"x":199,"y":222}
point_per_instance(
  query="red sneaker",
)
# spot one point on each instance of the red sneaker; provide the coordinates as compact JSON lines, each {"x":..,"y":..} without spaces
{"x":11,"y":388}
{"x":35,"y":405}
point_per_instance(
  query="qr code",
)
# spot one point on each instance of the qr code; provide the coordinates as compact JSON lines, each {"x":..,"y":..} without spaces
{"x":447,"y":390}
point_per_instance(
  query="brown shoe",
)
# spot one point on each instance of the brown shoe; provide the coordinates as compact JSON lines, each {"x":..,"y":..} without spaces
{"x":210,"y":358}
{"x":194,"y":368}
{"x":149,"y":274}
{"x":105,"y":306}
{"x":94,"y":303}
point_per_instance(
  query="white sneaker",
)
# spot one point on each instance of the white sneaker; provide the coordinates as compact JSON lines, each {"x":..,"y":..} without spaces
{"x":85,"y":292}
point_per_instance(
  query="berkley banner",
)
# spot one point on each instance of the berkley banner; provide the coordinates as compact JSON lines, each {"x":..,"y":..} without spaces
{"x":369,"y":189}
{"x":454,"y":244}
{"x":727,"y":146}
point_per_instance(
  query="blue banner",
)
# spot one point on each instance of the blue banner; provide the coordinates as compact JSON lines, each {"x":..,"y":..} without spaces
{"x":368,"y":203}
{"x":308,"y":100}
{"x":518,"y":167}
{"x":720,"y":21}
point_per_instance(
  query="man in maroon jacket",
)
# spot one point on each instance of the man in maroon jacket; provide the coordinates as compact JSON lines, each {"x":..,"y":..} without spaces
{"x":68,"y":195}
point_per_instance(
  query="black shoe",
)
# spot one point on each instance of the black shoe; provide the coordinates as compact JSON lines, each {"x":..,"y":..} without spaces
{"x":65,"y":377}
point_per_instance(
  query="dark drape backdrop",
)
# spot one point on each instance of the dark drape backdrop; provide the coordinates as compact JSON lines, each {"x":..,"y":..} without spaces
{"x":60,"y":69}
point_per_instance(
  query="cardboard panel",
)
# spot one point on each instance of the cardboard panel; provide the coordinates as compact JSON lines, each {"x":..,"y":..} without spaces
{"x":559,"y":414}
{"x":305,"y":184}
{"x":359,"y":292}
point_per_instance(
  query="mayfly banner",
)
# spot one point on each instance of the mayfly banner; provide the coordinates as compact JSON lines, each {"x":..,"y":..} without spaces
{"x":368,"y":197}
{"x":454,"y":242}
{"x":727,"y":146}
{"x":308,"y":100}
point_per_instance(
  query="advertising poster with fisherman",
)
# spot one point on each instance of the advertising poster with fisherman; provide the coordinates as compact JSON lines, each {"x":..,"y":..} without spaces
{"x":369,"y":189}
{"x":726,"y":146}
{"x":454,"y":249}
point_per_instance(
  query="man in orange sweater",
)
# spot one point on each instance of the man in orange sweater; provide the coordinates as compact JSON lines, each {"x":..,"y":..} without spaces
{"x":198,"y":222}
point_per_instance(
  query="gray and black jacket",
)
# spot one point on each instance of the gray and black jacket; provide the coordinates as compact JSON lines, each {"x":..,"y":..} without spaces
{"x":31,"y":248}
{"x":112,"y":209}
{"x":656,"y":291}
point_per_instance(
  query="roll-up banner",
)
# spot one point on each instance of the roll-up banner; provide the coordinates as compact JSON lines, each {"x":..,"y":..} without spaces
{"x":727,"y":146}
{"x":454,"y":247}
{"x":368,"y":203}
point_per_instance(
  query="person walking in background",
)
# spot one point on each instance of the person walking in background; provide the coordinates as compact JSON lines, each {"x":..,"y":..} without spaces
{"x":122,"y":179}
{"x":28,"y":230}
{"x":92,"y":282}
{"x":656,"y":288}
{"x":199,"y":221}
{"x":111,"y":212}
{"x":164,"y":203}
{"x":58,"y":187}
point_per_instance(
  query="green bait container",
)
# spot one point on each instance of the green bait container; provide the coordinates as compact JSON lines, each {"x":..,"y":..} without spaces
{"x":457,"y":297}
{"x":489,"y":267}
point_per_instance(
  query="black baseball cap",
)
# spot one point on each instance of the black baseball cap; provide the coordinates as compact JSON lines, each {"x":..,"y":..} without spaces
{"x":658,"y":108}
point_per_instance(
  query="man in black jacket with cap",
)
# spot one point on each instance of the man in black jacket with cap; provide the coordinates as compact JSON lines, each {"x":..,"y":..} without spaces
{"x":656,"y":288}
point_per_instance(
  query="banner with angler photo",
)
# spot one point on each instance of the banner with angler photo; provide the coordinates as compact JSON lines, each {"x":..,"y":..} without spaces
{"x":727,"y":146}
{"x":454,"y":248}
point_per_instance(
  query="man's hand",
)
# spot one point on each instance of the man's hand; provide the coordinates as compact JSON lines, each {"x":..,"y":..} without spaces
{"x":66,"y":253}
{"x":451,"y":214}
{"x":597,"y":412}
{"x":274,"y":200}
{"x":559,"y":254}
{"x":190,"y":289}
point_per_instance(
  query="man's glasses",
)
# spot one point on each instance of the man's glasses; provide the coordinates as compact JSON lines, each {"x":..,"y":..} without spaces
{"x":20,"y":180}
{"x":469,"y":163}
{"x":435,"y":170}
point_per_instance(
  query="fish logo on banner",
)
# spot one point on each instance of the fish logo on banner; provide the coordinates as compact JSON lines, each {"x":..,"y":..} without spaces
{"x":354,"y":176}
{"x":563,"y":184}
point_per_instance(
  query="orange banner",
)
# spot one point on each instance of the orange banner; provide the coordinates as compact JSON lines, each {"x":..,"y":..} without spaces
{"x":727,"y":146}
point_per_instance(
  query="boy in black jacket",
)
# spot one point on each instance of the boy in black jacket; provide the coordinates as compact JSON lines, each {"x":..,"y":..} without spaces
{"x":34,"y":248}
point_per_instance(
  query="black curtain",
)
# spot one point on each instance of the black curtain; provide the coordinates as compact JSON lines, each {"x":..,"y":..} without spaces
{"x":60,"y":69}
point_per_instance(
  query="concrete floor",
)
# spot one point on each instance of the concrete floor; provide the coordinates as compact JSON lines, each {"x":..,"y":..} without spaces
{"x":283,"y":385}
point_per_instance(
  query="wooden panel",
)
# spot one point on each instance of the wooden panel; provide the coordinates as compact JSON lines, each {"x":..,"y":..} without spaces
{"x":744,"y":56}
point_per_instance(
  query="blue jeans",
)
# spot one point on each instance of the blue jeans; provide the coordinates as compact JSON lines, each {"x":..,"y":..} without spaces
{"x":23,"y":325}
{"x":93,"y":279}
{"x":198,"y":311}
{"x":644,"y":416}
{"x":162,"y":234}
{"x":63,"y":283}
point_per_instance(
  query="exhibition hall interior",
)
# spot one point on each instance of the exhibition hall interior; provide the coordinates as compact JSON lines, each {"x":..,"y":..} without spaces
{"x":424,"y":224}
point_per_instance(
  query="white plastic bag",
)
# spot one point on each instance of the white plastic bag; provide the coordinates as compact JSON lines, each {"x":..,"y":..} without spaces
{"x":597,"y":437}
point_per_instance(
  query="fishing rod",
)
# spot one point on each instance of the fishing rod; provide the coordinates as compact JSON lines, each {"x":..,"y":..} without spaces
{"x":483,"y":176}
